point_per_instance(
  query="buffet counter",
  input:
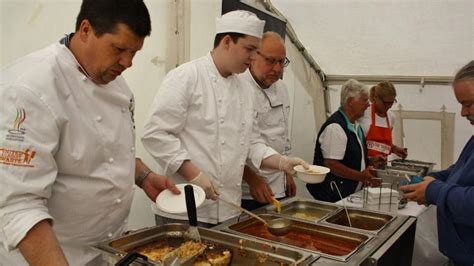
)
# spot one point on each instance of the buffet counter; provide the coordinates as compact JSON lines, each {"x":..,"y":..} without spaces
{"x":320,"y":235}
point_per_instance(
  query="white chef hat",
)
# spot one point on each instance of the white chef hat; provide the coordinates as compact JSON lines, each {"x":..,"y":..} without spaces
{"x":240,"y":21}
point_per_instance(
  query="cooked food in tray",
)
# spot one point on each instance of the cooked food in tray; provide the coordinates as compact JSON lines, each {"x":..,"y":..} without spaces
{"x":308,"y":239}
{"x":209,"y":253}
{"x":157,"y":250}
{"x":219,"y":258}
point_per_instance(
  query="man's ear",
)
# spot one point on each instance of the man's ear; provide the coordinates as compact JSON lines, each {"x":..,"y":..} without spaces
{"x":85,"y":30}
{"x":225,"y":42}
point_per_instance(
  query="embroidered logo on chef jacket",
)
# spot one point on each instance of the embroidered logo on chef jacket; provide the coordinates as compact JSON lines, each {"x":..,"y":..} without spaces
{"x":16,"y":132}
{"x":17,"y":158}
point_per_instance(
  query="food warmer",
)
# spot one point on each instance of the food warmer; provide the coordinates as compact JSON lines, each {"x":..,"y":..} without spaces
{"x":322,"y":228}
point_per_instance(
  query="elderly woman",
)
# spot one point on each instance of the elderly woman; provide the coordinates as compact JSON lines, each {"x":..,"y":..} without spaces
{"x":377,"y":122}
{"x":341,"y":146}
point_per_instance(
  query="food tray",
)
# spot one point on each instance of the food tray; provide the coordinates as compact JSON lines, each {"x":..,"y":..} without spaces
{"x":245,"y":251}
{"x":368,"y":221}
{"x":305,"y":209}
{"x":326,"y":241}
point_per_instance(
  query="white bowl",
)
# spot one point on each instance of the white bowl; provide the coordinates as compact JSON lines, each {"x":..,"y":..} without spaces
{"x":315,"y":174}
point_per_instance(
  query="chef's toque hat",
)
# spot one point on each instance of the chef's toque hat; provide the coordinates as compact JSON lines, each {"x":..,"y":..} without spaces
{"x":240,"y":21}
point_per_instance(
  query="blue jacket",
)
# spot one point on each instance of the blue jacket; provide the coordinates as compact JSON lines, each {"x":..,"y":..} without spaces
{"x":453,"y":193}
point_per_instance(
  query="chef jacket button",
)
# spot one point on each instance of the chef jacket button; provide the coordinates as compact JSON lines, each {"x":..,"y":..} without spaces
{"x":132,"y":149}
{"x":241,"y":165}
{"x":221,"y":185}
{"x":243,"y":123}
{"x":118,"y":201}
{"x":222,"y":142}
{"x":111,"y":160}
{"x":124,"y":110}
{"x":222,"y":120}
{"x":237,"y":185}
{"x":110,"y":235}
{"x":219,"y":100}
{"x":84,"y":78}
{"x":98,"y":118}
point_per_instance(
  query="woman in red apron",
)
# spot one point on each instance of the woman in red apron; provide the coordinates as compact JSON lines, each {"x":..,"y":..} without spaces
{"x":379,"y":137}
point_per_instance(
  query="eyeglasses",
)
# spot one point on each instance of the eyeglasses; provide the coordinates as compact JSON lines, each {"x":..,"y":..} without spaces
{"x":387,"y":103}
{"x":272,"y":61}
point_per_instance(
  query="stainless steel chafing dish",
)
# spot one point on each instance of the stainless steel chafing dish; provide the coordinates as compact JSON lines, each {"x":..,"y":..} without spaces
{"x":320,"y":239}
{"x":362,"y":220}
{"x":426,"y":166}
{"x":309,"y":210}
{"x":245,"y":251}
{"x":392,"y":243}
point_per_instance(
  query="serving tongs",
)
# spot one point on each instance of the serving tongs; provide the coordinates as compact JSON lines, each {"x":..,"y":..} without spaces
{"x":192,"y":233}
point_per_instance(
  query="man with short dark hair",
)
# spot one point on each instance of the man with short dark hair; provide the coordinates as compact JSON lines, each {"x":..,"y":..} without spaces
{"x":201,"y":128}
{"x":67,"y":158}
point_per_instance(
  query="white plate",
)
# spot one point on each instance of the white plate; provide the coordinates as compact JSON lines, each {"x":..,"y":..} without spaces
{"x":172,"y":203}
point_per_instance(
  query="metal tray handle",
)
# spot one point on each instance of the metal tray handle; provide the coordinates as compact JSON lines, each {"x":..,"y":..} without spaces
{"x":130,"y":258}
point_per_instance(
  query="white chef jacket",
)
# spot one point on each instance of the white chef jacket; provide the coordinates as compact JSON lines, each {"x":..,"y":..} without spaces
{"x":273,"y":109}
{"x":199,"y":115}
{"x":67,"y":153}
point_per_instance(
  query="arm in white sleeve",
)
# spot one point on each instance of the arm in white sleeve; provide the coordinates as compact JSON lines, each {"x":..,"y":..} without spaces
{"x":27,"y":164}
{"x":167,"y":119}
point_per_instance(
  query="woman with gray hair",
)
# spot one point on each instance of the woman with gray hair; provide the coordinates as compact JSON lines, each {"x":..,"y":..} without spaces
{"x":341,"y":146}
{"x":452,"y":190}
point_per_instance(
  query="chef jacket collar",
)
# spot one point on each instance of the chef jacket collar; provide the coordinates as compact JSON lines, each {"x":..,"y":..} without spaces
{"x":66,"y":41}
{"x":270,"y":93}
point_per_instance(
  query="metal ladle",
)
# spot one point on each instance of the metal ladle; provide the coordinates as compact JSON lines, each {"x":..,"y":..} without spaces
{"x":277,"y":227}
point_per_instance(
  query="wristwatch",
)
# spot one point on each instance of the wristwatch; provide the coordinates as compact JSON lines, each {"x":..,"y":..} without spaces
{"x":141,"y":177}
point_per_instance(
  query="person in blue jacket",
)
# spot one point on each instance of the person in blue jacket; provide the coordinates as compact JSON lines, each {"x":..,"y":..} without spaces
{"x":452,"y":190}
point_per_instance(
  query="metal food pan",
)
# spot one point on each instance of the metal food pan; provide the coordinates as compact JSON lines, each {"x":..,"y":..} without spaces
{"x":427,"y":166}
{"x":369,"y":221}
{"x":394,"y":174}
{"x":326,"y":241}
{"x":245,"y":251}
{"x":305,"y":209}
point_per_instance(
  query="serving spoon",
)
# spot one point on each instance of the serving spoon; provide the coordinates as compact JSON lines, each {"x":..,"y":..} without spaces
{"x":277,"y":227}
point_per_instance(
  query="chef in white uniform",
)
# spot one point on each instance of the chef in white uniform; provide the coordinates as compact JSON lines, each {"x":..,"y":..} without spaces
{"x":67,"y":141}
{"x":273,"y":108}
{"x":202,"y":126}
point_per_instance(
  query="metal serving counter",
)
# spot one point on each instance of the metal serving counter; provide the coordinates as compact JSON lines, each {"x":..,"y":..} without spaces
{"x":320,"y":235}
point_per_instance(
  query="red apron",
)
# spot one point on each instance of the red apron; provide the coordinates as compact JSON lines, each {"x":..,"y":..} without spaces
{"x":379,"y":139}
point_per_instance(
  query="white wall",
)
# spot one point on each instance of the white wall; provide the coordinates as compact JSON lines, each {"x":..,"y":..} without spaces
{"x":411,"y":37}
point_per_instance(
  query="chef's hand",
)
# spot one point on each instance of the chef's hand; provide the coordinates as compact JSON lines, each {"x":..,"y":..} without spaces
{"x":205,"y":182}
{"x":259,"y":189}
{"x":400,"y":152}
{"x":154,"y":184}
{"x":416,"y":192}
{"x":286,"y":164}
{"x":290,"y":186}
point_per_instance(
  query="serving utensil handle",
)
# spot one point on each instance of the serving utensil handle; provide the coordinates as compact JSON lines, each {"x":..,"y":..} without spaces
{"x":190,"y":205}
{"x":244,"y":210}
